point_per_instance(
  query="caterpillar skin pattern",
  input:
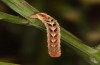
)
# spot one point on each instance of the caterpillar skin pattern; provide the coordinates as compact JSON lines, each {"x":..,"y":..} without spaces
{"x":53,"y":33}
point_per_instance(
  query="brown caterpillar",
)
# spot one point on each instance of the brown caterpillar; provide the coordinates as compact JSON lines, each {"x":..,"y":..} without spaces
{"x":53,"y":33}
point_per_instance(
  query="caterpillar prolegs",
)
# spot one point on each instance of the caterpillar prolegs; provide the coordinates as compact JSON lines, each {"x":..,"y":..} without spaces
{"x":53,"y":33}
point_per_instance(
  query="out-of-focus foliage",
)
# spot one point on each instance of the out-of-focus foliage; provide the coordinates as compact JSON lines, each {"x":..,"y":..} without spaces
{"x":3,"y":63}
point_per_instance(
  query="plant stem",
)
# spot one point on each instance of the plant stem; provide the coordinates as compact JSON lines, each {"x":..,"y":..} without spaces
{"x":12,"y":19}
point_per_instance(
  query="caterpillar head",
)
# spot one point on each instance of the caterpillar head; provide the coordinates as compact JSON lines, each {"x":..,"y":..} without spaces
{"x":41,"y":16}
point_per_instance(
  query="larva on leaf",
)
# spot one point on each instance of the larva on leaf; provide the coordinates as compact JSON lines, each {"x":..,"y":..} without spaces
{"x":53,"y":33}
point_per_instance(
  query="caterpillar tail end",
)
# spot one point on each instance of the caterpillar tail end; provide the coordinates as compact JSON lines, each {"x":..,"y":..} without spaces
{"x":55,"y":54}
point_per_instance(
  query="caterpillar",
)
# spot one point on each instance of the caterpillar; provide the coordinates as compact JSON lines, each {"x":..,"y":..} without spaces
{"x":53,"y":33}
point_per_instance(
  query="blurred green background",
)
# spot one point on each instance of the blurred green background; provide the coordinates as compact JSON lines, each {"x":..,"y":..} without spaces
{"x":27,"y":45}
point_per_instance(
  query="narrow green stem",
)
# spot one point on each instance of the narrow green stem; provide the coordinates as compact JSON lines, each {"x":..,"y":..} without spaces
{"x":12,"y":19}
